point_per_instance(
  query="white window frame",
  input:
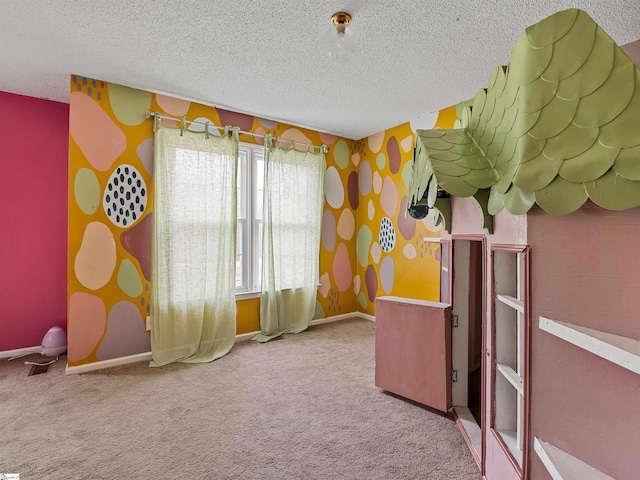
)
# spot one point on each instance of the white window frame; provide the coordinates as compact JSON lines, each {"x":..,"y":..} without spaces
{"x":249,"y":197}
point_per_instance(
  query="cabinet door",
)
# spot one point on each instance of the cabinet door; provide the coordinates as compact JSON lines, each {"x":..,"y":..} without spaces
{"x":413,"y":350}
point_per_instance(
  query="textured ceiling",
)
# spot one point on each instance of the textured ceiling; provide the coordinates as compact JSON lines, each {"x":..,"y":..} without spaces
{"x":267,"y":58}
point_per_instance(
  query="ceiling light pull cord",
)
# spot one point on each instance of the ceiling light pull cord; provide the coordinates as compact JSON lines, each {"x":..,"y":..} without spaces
{"x":158,"y":116}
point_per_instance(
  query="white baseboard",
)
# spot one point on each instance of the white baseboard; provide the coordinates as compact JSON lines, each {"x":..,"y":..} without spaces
{"x":366,"y":316}
{"x":20,"y":352}
{"x":114,"y":362}
{"x":146,"y":357}
{"x":243,"y":337}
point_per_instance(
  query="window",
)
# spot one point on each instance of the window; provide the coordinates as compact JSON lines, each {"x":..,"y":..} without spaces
{"x":249,"y":235}
{"x":510,"y":329}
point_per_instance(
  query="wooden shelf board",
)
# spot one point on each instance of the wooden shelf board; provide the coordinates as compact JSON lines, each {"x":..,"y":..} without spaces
{"x":511,"y":302}
{"x":511,"y":376}
{"x":563,"y":466}
{"x":622,"y":351}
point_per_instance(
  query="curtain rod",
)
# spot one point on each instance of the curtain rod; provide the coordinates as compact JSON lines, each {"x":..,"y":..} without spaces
{"x":321,"y":148}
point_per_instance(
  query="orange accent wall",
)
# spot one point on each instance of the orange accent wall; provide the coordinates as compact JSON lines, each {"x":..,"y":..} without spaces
{"x":110,"y":139}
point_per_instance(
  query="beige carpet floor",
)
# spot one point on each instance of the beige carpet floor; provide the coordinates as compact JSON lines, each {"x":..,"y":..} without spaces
{"x":302,"y":407}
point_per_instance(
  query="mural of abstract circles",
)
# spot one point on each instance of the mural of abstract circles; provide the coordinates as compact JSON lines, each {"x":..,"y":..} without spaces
{"x":393,"y":152}
{"x":325,"y":285}
{"x":86,"y":324}
{"x":407,"y":173}
{"x":328,"y":230}
{"x":346,"y":224}
{"x":377,"y":183}
{"x":381,"y":161}
{"x":371,"y":280}
{"x":352,"y":190}
{"x":96,"y":258}
{"x":342,"y":268}
{"x":389,"y":197}
{"x":124,"y":321}
{"x":125,"y":197}
{"x":387,"y":274}
{"x":364,"y":178}
{"x":341,"y":154}
{"x":362,"y":299}
{"x":356,"y":284}
{"x":387,"y":236}
{"x":406,"y":223}
{"x":129,"y":104}
{"x":363,"y":241}
{"x":199,"y":125}
{"x":355,"y":159}
{"x":145,"y":154}
{"x":86,"y":190}
{"x":376,"y":252}
{"x":371,"y":210}
{"x":407,"y":143}
{"x":409,"y":251}
{"x":376,"y":141}
{"x":333,"y":189}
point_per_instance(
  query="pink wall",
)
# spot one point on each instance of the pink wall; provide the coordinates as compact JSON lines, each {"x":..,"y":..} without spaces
{"x":585,"y":270}
{"x":33,"y":218}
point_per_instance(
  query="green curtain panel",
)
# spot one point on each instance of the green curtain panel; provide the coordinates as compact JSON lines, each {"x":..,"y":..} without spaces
{"x":193,"y":315}
{"x":292,"y":215}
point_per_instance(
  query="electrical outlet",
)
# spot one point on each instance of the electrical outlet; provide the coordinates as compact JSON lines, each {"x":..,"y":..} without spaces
{"x":148,"y":323}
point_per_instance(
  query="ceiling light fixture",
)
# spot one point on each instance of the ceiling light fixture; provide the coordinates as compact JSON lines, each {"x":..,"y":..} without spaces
{"x":340,"y":41}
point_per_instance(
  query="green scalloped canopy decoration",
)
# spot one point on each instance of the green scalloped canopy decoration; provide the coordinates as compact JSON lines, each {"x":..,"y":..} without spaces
{"x":558,"y":126}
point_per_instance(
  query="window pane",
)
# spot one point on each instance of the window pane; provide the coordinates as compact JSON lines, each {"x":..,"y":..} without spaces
{"x":242,"y":184}
{"x":239,"y":259}
{"x":259,"y":182}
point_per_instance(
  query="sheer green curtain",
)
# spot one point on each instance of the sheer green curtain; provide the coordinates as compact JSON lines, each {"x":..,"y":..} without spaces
{"x":193,"y":316}
{"x":292,"y":216}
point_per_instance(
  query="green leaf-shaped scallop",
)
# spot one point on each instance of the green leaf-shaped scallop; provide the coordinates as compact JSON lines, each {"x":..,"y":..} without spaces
{"x":524,"y":122}
{"x":561,"y":197}
{"x":502,"y":185}
{"x":480,"y":178}
{"x":624,"y":131}
{"x":572,"y":142}
{"x":536,"y":173}
{"x":627,"y":163}
{"x":590,"y":165}
{"x":444,"y":155}
{"x":519,"y":201}
{"x":593,"y":73}
{"x":554,"y":118}
{"x":572,"y":50}
{"x":449,"y":168}
{"x":496,"y":202}
{"x":527,"y":63}
{"x":608,"y":101}
{"x":536,"y":95}
{"x":552,"y":28}
{"x":613,"y":192}
{"x":528,"y":148}
{"x":455,"y":186}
